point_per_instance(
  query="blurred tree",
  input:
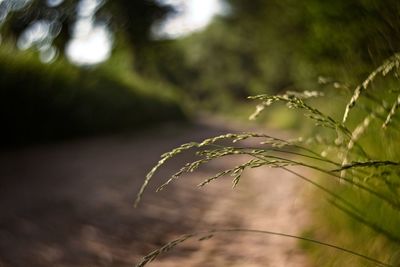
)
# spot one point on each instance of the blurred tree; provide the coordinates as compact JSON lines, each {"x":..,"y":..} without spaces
{"x":323,"y":34}
{"x":43,"y":103}
{"x":267,"y":46}
{"x":132,"y":19}
{"x":135,"y":18}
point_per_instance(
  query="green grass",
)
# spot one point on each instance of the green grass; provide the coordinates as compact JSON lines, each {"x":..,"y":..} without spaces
{"x":374,"y":229}
{"x":355,"y":156}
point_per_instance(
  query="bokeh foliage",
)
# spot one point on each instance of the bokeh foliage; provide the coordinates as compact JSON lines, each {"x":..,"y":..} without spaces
{"x":42,"y":103}
{"x":46,"y":102}
{"x":270,"y":46}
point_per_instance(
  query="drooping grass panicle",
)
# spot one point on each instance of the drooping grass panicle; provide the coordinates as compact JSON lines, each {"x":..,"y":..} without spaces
{"x":344,"y":135}
{"x":270,"y":99}
{"x":382,"y":111}
{"x":294,"y":102}
{"x":164,"y":158}
{"x":275,"y":161}
{"x":360,"y":129}
{"x":236,"y":172}
{"x":211,"y":233}
{"x":189,"y":167}
{"x":355,"y":136}
{"x":392,"y":112}
{"x":208,"y":155}
{"x":261,"y":157}
{"x":167,"y":247}
{"x":393,"y":63}
{"x":209,"y":142}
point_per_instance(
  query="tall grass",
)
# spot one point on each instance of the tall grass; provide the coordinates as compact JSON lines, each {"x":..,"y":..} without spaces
{"x":354,"y":153}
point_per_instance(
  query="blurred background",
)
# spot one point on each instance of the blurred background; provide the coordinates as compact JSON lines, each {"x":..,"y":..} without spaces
{"x":75,"y":68}
{"x":88,"y":87}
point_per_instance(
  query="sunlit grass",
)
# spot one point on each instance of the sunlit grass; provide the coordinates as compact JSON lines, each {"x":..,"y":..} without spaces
{"x":356,"y":160}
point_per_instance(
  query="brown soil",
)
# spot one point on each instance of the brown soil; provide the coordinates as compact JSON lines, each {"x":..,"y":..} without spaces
{"x":71,"y":204}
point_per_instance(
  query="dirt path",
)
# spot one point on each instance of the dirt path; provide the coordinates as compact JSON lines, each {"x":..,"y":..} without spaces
{"x":71,"y":205}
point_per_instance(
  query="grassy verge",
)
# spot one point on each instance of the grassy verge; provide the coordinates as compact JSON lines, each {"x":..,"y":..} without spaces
{"x":369,"y":223}
{"x":374,"y":229}
{"x":40,"y":103}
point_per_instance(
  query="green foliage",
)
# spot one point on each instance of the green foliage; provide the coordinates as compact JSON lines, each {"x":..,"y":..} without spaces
{"x":47,"y":102}
{"x":133,"y":19}
{"x":272,"y":46}
{"x":258,"y":47}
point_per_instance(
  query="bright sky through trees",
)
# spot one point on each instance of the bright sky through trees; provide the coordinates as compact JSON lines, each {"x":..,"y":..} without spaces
{"x":193,"y":15}
{"x":92,"y":43}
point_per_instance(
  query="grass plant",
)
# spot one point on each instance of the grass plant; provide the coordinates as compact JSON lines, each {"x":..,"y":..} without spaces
{"x":359,"y":179}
